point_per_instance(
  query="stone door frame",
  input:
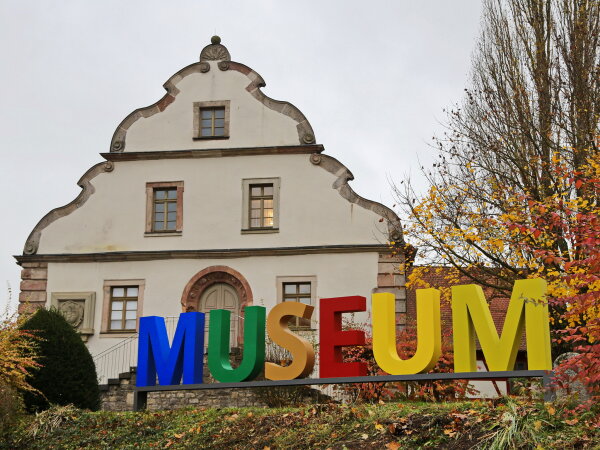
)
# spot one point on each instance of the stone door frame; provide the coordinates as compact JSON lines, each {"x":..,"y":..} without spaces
{"x":194,"y":289}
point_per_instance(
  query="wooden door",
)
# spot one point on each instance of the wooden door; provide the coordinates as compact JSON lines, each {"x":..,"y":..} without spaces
{"x":221,"y":296}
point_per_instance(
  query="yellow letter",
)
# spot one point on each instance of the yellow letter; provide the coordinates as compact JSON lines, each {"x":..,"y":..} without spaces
{"x":471,"y":316}
{"x":302,"y":352}
{"x":429,"y":336}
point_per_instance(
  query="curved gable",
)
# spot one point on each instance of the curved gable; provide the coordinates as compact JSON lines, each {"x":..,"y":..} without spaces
{"x":253,"y":119}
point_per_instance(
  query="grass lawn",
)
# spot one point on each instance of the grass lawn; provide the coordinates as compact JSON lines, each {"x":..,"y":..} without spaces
{"x":502,"y":423}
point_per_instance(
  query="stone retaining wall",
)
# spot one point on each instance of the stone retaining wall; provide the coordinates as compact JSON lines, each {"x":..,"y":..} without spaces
{"x":117,"y":395}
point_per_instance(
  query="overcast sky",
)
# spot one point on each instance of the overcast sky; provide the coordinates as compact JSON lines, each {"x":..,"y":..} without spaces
{"x":372,"y":77}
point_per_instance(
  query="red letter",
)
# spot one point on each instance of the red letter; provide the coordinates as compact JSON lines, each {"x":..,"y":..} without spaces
{"x":333,"y":338}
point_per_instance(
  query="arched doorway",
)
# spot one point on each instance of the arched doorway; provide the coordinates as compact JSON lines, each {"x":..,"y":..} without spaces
{"x":221,"y":296}
{"x":219,"y":287}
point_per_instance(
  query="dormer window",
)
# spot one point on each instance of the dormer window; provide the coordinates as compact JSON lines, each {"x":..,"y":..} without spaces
{"x":211,"y":120}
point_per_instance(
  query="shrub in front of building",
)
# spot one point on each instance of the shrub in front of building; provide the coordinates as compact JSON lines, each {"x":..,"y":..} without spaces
{"x":68,"y":373}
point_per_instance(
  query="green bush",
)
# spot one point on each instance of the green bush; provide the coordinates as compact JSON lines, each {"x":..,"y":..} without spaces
{"x":68,"y":373}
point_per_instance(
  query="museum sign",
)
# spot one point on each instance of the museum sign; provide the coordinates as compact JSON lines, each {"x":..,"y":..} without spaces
{"x":182,"y":360}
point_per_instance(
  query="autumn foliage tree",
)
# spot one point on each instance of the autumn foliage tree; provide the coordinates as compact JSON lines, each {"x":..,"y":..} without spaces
{"x":17,"y":360}
{"x":515,"y":191}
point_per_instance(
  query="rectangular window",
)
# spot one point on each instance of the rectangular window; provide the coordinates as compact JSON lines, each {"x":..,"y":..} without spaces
{"x":164,"y":216}
{"x":211,"y":120}
{"x":123,"y":308}
{"x":298,"y":289}
{"x":297,"y":292}
{"x":261,"y":205}
{"x":164,"y":208}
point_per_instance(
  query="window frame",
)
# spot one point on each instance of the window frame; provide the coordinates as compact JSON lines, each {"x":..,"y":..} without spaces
{"x":281,"y":281}
{"x":247,"y":183}
{"x":151,"y":188}
{"x":198,"y":106}
{"x":106,"y":307}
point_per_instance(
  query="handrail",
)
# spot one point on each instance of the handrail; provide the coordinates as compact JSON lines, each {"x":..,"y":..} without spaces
{"x":124,"y":341}
{"x":120,"y":357}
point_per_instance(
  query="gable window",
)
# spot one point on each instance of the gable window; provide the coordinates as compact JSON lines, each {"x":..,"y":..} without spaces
{"x":297,"y":289}
{"x":211,"y":120}
{"x":261,"y":205}
{"x":164,"y":208}
{"x":122,"y":307}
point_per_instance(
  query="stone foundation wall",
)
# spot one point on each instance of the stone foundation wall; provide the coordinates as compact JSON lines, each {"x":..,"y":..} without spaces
{"x":117,"y":395}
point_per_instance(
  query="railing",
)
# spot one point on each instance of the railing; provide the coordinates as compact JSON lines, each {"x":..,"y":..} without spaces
{"x":122,"y":356}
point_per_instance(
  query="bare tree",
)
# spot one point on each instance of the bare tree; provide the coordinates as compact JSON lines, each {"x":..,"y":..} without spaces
{"x":533,"y":103}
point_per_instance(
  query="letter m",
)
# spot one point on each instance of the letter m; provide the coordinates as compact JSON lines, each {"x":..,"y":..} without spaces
{"x":527,"y":309}
{"x":185,"y":356}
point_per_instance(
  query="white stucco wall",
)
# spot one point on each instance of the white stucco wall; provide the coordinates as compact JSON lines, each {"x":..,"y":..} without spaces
{"x":251,"y":125}
{"x":311,"y":211}
{"x":337,"y":275}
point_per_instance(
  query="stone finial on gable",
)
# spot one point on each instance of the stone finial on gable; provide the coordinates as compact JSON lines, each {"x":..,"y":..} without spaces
{"x":215,"y":51}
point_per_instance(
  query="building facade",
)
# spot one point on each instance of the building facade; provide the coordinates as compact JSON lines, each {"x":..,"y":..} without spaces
{"x":216,"y":196}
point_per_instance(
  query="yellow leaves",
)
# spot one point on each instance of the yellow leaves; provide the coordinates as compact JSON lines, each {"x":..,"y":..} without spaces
{"x":379,"y":427}
{"x":550,"y":409}
{"x":537,"y":425}
{"x":497,"y":244}
{"x":449,"y":432}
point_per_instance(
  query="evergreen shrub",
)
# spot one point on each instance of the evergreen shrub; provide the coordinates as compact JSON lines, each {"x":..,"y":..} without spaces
{"x":68,"y":373}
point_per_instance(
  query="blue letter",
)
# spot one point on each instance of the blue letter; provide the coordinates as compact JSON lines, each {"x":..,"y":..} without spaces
{"x":185,"y":356}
